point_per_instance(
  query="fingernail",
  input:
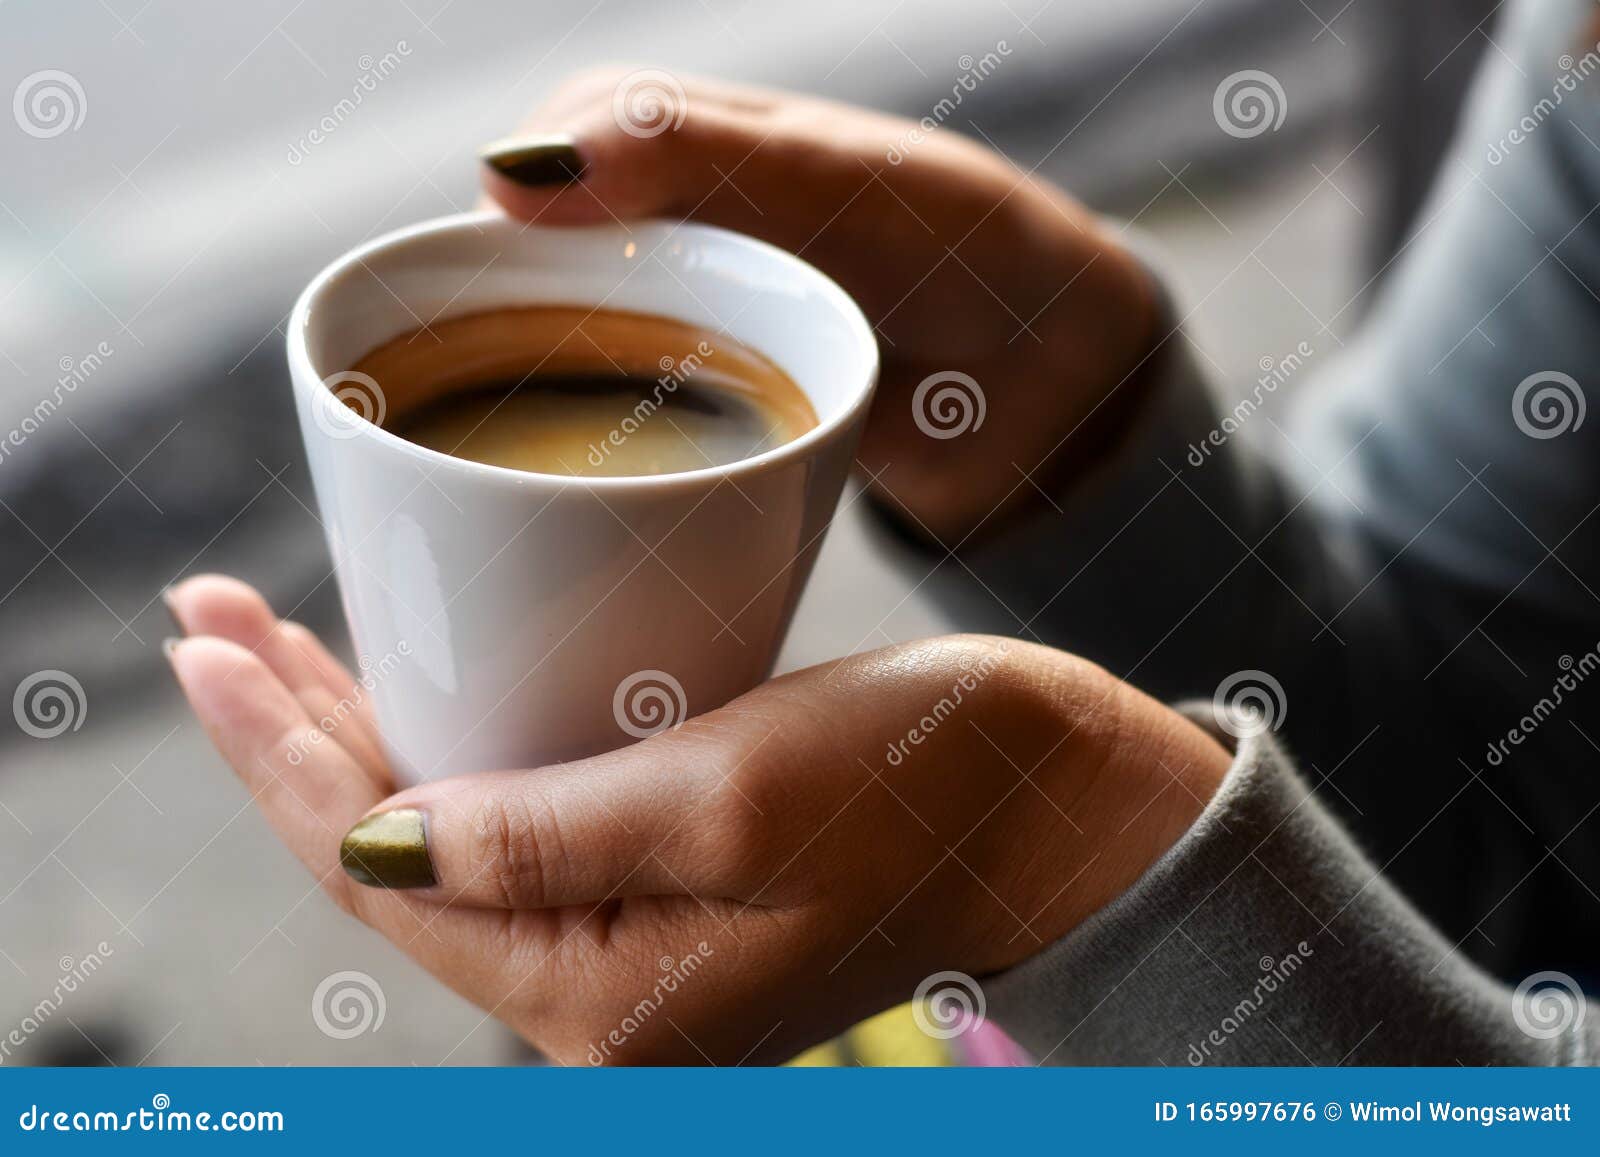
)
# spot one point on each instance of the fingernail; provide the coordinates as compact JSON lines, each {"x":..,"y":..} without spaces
{"x":168,"y":645}
{"x":389,"y":850}
{"x":172,"y":611}
{"x":552,"y":159}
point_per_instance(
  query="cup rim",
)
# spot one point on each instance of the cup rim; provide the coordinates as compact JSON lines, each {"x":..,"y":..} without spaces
{"x":304,"y":375}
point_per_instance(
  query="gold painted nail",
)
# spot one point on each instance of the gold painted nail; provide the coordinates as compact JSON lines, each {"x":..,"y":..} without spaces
{"x":389,"y":850}
{"x":551,"y":159}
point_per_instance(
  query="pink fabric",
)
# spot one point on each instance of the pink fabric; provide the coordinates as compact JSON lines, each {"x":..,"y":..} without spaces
{"x":985,"y":1046}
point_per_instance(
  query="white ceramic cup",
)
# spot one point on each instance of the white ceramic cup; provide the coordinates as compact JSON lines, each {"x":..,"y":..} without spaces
{"x":508,"y":619}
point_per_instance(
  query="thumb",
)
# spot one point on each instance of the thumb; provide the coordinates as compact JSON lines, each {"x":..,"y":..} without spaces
{"x":646,"y":820}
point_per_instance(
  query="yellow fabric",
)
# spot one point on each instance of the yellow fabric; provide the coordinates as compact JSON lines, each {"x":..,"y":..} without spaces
{"x":892,"y":1038}
{"x":827,"y":1055}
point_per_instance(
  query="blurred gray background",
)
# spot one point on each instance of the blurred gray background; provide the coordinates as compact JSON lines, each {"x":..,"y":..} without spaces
{"x":178,"y":219}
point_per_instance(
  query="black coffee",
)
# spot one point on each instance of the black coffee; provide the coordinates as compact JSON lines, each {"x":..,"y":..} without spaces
{"x":564,"y":390}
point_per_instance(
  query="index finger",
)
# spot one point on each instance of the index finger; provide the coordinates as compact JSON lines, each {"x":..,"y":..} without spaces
{"x":621,"y":146}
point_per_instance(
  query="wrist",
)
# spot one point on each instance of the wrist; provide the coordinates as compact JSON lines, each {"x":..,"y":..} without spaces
{"x":1128,"y":780}
{"x":1124,"y":322}
{"x":1156,"y":773}
{"x":1101,"y":358}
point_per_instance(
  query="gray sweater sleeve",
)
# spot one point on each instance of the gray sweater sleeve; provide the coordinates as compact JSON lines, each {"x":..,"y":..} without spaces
{"x":1404,"y":557}
{"x":1265,"y":937}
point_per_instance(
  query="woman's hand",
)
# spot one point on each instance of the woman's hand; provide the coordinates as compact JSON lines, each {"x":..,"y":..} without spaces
{"x":744,"y":885}
{"x":962,"y":262}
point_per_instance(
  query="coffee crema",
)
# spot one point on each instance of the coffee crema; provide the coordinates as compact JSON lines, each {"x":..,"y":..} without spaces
{"x":557,"y":389}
